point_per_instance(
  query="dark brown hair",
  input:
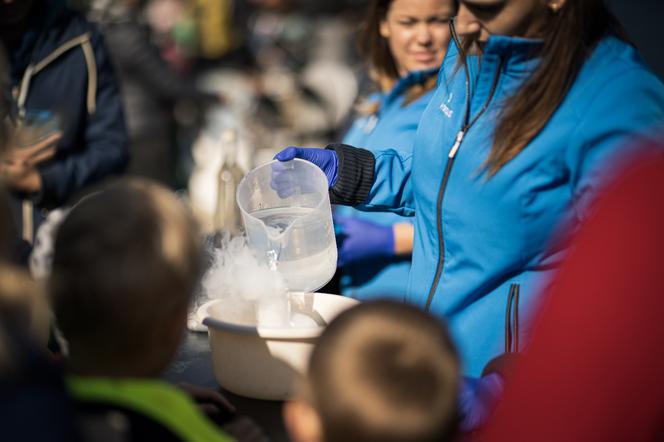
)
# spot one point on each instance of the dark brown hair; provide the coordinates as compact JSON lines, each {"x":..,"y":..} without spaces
{"x":384,"y":371}
{"x":373,"y":47}
{"x":127,"y":259}
{"x":375,"y":50}
{"x":570,"y":36}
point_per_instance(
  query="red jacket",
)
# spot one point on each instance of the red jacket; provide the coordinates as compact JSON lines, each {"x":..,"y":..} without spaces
{"x":595,"y":367}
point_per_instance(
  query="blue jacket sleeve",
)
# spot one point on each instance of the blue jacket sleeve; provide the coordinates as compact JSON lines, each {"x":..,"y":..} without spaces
{"x":369,"y":181}
{"x":392,"y":190}
{"x":627,"y":109}
{"x":105,"y":149}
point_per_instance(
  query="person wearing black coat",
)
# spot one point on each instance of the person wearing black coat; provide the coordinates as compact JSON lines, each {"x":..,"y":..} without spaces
{"x":59,"y":68}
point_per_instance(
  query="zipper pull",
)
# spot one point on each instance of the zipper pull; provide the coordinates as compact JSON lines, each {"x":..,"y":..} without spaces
{"x":457,"y":143}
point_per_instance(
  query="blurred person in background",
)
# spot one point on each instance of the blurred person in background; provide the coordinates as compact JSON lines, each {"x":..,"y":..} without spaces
{"x":217,"y":23}
{"x":304,"y":83}
{"x":292,"y":78}
{"x":403,"y":43}
{"x":151,"y":89}
{"x":60,"y":76}
{"x":534,"y":105}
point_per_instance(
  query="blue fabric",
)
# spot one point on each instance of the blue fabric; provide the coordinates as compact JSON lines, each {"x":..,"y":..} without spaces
{"x":359,"y":240}
{"x":498,"y":231}
{"x":394,"y":125}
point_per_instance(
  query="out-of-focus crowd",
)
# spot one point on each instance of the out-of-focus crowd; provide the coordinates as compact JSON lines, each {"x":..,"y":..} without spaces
{"x":519,"y":142}
{"x":277,"y":71}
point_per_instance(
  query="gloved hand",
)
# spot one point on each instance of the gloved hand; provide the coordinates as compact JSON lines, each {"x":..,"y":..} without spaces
{"x":325,"y":159}
{"x":359,"y":239}
{"x":477,"y":398}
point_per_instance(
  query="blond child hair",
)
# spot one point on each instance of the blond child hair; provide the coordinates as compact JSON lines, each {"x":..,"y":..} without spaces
{"x":381,"y":371}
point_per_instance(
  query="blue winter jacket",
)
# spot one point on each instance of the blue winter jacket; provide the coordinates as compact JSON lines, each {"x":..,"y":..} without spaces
{"x":482,"y":247}
{"x":62,"y":65}
{"x":393,"y":125}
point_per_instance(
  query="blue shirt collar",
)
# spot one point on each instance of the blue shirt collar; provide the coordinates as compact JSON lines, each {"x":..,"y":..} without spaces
{"x":517,"y":54}
{"x":415,"y":77}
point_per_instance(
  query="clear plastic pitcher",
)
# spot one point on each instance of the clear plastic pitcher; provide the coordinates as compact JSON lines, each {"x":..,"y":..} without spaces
{"x":288,"y":220}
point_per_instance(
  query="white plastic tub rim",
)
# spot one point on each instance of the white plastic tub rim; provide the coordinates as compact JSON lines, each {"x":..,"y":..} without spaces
{"x":303,"y":302}
{"x":264,"y":332}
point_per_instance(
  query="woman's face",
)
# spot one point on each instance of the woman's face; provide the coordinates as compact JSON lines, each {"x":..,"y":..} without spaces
{"x":417,"y":32}
{"x":515,"y":18}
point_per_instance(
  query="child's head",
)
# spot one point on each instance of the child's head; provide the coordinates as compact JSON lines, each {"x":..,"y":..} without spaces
{"x":126,"y":261}
{"x":381,"y":371}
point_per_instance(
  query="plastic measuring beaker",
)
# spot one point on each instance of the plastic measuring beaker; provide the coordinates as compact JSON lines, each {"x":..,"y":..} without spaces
{"x":290,"y":224}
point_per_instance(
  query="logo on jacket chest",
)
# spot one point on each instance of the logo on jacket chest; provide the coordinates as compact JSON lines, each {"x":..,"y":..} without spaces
{"x":445,"y":106}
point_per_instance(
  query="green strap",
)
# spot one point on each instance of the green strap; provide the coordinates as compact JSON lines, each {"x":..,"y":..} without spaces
{"x":155,"y":399}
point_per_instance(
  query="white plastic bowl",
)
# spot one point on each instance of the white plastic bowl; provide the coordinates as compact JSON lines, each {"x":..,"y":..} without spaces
{"x":264,"y":363}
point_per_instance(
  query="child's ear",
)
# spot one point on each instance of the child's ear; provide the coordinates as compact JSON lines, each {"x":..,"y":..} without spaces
{"x":302,"y":421}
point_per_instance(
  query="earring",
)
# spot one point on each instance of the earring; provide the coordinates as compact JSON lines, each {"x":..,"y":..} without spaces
{"x":555,"y":7}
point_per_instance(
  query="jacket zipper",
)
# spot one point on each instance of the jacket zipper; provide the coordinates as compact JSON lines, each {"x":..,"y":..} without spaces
{"x":448,"y":168}
{"x":439,"y":218}
{"x":512,"y":320}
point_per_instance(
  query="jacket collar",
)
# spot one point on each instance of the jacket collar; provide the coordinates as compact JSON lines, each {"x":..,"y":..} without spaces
{"x":517,"y":54}
{"x":40,"y":37}
{"x":416,"y":77}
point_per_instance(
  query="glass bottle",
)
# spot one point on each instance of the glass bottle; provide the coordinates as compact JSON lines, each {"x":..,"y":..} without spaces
{"x":227,"y":218}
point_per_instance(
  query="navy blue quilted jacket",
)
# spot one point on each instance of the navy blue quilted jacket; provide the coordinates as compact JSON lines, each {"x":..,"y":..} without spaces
{"x":62,"y":66}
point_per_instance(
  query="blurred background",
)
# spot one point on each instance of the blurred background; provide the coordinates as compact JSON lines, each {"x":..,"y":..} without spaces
{"x":275,"y":72}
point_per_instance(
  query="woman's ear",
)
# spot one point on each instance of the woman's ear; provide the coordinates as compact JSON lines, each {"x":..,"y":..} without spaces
{"x":384,"y":29}
{"x":302,"y":421}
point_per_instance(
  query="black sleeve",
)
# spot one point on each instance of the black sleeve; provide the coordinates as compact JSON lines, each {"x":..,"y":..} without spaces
{"x":133,"y":52}
{"x":355,"y":175}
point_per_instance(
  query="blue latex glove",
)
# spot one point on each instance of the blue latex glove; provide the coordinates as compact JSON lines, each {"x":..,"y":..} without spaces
{"x":477,"y":398}
{"x":358,"y":240}
{"x":325,"y":159}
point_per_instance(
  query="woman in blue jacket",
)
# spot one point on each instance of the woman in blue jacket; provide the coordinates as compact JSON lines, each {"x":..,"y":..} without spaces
{"x":404,"y":43}
{"x":536,"y":101}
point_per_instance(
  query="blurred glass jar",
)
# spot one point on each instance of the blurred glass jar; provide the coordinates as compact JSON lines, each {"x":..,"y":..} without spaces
{"x":35,"y":126}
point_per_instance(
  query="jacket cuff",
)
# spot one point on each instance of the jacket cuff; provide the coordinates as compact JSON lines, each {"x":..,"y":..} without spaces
{"x":355,"y":176}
